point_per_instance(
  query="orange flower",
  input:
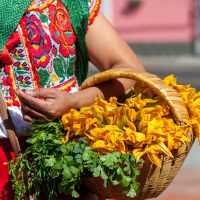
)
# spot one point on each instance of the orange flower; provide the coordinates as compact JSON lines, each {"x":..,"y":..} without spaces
{"x":143,"y":125}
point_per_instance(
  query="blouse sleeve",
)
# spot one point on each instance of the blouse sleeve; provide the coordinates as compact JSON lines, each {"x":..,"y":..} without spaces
{"x":94,"y":7}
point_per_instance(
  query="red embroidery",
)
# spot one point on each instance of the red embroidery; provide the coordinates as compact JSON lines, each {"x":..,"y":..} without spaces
{"x":61,"y":29}
{"x":5,"y":55}
{"x":41,"y":53}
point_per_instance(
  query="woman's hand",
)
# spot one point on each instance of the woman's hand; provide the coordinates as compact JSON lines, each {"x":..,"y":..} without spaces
{"x":47,"y":104}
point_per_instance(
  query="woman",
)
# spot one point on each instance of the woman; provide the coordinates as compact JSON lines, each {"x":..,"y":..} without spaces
{"x":44,"y":60}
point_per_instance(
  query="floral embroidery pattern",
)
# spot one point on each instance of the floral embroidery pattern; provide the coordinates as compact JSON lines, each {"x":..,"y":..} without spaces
{"x":45,"y":56}
{"x":61,"y":29}
{"x":37,"y":41}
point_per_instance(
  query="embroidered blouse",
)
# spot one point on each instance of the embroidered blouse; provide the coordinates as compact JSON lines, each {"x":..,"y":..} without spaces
{"x":42,"y":53}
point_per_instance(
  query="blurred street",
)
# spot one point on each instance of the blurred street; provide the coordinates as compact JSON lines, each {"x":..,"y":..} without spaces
{"x":186,"y":185}
{"x":185,"y":67}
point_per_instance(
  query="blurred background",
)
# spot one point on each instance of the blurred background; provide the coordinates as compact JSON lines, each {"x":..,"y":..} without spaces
{"x":166,"y":37}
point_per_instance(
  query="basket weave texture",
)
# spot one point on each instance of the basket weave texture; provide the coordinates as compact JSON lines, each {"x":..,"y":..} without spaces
{"x":153,"y":180}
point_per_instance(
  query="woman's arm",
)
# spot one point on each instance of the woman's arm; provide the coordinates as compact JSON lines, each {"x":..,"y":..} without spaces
{"x":106,"y":51}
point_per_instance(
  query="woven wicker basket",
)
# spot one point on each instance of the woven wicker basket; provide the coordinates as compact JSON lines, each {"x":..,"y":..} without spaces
{"x":153,"y":180}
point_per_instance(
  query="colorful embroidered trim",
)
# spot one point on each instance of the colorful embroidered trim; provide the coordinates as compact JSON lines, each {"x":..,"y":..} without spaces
{"x":94,"y":8}
{"x":67,"y":86}
{"x":35,"y":6}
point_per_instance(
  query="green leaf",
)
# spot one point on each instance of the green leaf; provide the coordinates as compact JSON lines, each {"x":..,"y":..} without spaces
{"x":114,"y":178}
{"x":43,"y":18}
{"x":111,"y":159}
{"x":93,"y":164}
{"x":125,"y":181}
{"x":77,"y":149}
{"x":49,"y":162}
{"x":65,"y":149}
{"x":83,"y":141}
{"x":67,"y":173}
{"x":70,"y":70}
{"x":83,"y":146}
{"x":75,"y":194}
{"x":44,"y":76}
{"x":127,"y":169}
{"x":105,"y":183}
{"x":69,"y":160}
{"x":55,"y":174}
{"x":131,"y":193}
{"x":103,"y":174}
{"x":58,"y":67}
{"x":78,"y":158}
{"x":87,"y":155}
{"x":119,"y":171}
{"x":115,"y":182}
{"x":97,"y":171}
{"x":73,"y":169}
{"x":58,"y":164}
{"x":57,"y":141}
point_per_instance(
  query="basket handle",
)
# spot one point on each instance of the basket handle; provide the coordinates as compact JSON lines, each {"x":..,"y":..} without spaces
{"x":170,"y":95}
{"x":9,"y":126}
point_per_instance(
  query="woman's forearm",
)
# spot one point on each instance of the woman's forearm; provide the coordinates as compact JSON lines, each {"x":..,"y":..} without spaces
{"x":106,"y":90}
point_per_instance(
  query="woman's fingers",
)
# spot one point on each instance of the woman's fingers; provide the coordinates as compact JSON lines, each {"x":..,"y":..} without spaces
{"x":44,"y":92}
{"x":52,"y":106}
{"x":30,"y":113}
{"x":32,"y":102}
{"x":29,"y":99}
{"x":27,"y":118}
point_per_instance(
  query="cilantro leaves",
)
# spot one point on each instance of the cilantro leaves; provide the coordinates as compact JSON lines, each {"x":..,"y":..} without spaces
{"x":51,"y":167}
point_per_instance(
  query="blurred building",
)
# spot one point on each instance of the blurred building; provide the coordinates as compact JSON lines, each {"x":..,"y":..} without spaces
{"x":156,"y":26}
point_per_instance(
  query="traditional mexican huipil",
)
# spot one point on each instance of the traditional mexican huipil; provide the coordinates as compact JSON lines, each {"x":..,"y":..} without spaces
{"x":41,"y":52}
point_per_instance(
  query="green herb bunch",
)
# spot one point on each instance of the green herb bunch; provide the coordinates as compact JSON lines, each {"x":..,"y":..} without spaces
{"x":50,"y":167}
